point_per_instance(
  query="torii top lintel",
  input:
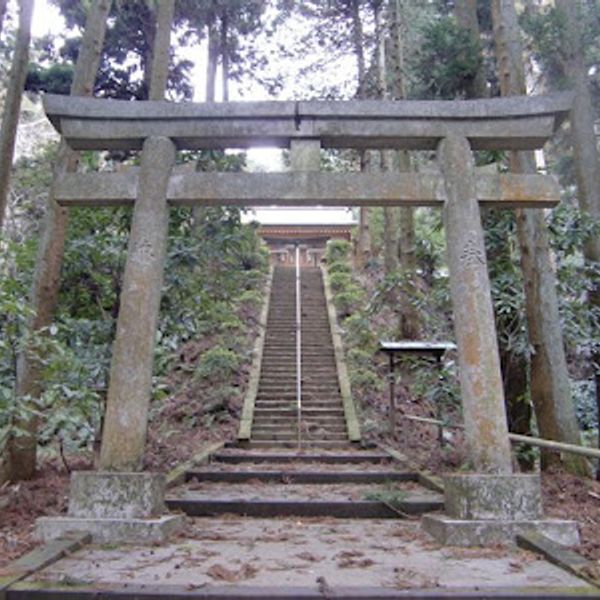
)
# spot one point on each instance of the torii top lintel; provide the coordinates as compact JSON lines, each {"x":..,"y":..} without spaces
{"x":513,"y":123}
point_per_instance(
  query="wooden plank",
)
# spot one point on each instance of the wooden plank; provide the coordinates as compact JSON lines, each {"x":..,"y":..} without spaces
{"x":306,"y":189}
{"x":284,"y":457}
{"x":125,"y":591}
{"x":339,"y":509}
{"x":303,"y":477}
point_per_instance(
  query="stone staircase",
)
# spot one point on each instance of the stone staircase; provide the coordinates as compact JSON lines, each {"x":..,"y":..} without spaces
{"x":322,"y":419}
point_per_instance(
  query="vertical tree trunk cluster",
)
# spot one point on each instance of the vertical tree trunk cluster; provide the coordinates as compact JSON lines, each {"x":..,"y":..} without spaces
{"x":549,"y":379}
{"x":587,"y":163}
{"x":363,"y":249}
{"x":20,"y":459}
{"x":12,"y":105}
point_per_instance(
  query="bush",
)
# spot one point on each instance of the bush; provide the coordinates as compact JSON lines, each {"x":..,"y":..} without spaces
{"x":217,"y":364}
{"x":349,"y":300}
{"x":339,"y":267}
{"x":358,"y":331}
{"x":337,"y":251}
{"x":340,"y":281}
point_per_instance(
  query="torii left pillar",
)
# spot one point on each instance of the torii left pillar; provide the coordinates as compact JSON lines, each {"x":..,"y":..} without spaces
{"x":129,"y":392}
{"x":120,"y":502}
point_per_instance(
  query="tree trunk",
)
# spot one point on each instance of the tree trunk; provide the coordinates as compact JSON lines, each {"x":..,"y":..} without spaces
{"x":161,"y":51}
{"x":20,"y":459}
{"x":410,"y":323}
{"x":12,"y":104}
{"x":587,"y":164}
{"x":466,"y":15}
{"x":363,"y":246}
{"x":149,"y":28}
{"x":550,"y":386}
{"x":388,"y":157}
{"x":3,"y":4}
{"x":225,"y":54}
{"x":214,"y":46}
{"x":213,"y":59}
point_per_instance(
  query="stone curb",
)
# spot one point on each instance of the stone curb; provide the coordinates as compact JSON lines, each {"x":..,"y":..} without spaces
{"x":352,"y":425}
{"x":561,"y":556}
{"x":40,"y":558}
{"x":427,"y":480}
{"x":247,"y":418}
{"x":177,"y":475}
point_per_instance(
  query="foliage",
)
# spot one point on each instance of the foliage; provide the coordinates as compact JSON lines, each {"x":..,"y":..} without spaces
{"x":337,"y":251}
{"x":447,"y":60}
{"x":214,"y":275}
{"x":217,"y":364}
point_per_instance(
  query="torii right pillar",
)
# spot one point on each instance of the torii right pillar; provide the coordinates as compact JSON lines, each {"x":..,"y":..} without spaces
{"x":491,"y":504}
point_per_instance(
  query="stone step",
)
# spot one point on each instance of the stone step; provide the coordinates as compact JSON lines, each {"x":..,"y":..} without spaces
{"x":301,"y":477}
{"x":352,"y":456}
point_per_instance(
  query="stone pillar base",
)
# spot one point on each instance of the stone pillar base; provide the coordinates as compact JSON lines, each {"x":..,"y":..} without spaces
{"x":457,"y":532}
{"x":491,"y":509}
{"x":114,"y":507}
{"x":103,"y":531}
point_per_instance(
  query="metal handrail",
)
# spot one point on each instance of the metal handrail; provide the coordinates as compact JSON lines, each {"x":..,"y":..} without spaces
{"x":298,"y":348}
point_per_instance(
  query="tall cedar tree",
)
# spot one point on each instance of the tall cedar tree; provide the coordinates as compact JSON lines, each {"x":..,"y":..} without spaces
{"x":3,"y":4}
{"x":587,"y":164}
{"x":20,"y":460}
{"x":410,"y":325}
{"x":12,"y":104}
{"x":550,"y":386}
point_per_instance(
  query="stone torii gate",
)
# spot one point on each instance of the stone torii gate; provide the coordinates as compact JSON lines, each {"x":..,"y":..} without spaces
{"x":454,"y":129}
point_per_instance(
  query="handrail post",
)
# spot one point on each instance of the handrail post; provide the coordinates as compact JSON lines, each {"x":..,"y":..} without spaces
{"x":298,"y":348}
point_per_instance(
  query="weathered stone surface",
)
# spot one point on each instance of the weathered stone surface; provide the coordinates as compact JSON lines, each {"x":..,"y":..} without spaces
{"x":508,"y":123}
{"x":480,"y":377}
{"x":129,"y":391}
{"x":305,"y":155}
{"x":500,"y":497}
{"x":300,"y":189}
{"x":352,"y":424}
{"x":126,"y":531}
{"x":457,"y":532}
{"x":102,"y":495}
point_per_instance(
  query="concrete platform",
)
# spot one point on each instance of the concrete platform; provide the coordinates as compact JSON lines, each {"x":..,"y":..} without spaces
{"x":473,"y":532}
{"x":269,"y":557}
{"x":115,"y":530}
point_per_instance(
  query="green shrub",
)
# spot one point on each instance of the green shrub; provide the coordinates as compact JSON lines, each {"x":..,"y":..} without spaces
{"x":252,"y":298}
{"x":359,"y":331}
{"x":340,"y":281}
{"x":349,"y":300}
{"x":217,"y":364}
{"x":363,"y":379}
{"x":337,"y":250}
{"x":359,"y":358}
{"x":339,"y":267}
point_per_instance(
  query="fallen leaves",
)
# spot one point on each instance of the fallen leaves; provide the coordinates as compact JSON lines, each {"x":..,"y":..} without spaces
{"x":222,"y":573}
{"x":353,"y":559}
